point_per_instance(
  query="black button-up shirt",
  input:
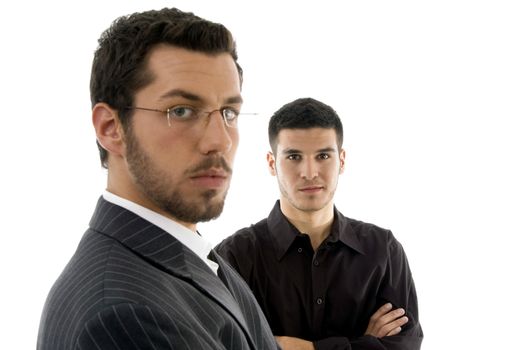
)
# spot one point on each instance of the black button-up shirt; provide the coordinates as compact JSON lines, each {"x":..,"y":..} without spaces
{"x":326,"y":296}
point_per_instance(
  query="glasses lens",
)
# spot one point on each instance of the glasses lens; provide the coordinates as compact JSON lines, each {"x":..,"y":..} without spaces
{"x":230,"y":117}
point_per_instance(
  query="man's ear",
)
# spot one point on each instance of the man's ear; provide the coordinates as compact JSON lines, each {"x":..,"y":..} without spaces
{"x":271,"y":161}
{"x":108,"y":129}
{"x":342,"y":161}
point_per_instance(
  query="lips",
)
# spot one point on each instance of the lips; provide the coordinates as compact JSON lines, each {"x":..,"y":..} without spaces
{"x":310,"y":189}
{"x":211,"y":173}
{"x":212,"y":178}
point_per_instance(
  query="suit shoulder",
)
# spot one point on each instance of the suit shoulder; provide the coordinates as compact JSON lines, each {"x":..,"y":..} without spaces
{"x":86,"y":267}
{"x":77,"y":293}
{"x":91,"y":255}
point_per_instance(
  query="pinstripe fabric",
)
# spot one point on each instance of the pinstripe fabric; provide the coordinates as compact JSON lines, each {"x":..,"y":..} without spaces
{"x":131,"y":285}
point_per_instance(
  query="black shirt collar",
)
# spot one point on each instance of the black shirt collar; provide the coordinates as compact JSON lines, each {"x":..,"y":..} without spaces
{"x":284,"y":233}
{"x":342,"y":230}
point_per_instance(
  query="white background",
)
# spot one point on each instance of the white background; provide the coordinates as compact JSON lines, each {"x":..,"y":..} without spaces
{"x":433,"y":99}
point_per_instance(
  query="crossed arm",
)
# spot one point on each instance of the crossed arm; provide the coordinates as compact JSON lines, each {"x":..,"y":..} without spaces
{"x":384,"y":322}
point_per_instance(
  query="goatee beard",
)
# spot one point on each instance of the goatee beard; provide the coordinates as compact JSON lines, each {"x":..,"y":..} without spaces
{"x":155,"y":185}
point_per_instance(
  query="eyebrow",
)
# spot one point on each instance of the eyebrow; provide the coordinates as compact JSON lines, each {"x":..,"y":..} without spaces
{"x":297,"y":151}
{"x":326,"y":150}
{"x":193,"y":97}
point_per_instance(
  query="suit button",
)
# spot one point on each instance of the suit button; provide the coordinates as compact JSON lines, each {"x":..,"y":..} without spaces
{"x":300,"y":250}
{"x":316,"y":263}
{"x":319,"y":301}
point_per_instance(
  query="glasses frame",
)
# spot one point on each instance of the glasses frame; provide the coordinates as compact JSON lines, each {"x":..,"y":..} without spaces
{"x":207,"y":113}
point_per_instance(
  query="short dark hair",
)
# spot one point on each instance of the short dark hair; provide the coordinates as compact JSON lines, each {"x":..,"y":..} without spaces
{"x":304,"y":113}
{"x":120,"y":63}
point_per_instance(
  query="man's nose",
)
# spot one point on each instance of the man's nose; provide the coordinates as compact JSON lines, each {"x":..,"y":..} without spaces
{"x":217,"y":137}
{"x":309,"y":170}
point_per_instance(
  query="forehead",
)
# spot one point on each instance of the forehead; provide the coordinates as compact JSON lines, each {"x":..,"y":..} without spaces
{"x":306,"y":140}
{"x":205,"y":75}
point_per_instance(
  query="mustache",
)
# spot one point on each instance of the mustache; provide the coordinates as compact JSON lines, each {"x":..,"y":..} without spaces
{"x":209,"y":163}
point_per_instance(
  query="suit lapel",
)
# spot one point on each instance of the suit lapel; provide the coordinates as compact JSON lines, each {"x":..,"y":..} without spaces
{"x":164,"y":251}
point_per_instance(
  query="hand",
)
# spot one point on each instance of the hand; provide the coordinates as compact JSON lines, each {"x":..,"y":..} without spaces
{"x":385,"y":322}
{"x":291,"y":343}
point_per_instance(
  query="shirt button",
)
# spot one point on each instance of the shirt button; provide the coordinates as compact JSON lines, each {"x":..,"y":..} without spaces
{"x":316,"y":263}
{"x":319,"y":301}
{"x":300,"y":250}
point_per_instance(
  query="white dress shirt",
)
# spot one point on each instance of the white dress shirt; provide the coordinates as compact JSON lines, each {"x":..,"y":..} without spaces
{"x":192,"y":240}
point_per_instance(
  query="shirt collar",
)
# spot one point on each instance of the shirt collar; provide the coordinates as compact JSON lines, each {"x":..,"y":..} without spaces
{"x":284,"y":233}
{"x":189,"y":238}
{"x":342,"y":230}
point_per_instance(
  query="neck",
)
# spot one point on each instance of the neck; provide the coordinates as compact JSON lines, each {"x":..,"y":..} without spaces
{"x":316,"y":224}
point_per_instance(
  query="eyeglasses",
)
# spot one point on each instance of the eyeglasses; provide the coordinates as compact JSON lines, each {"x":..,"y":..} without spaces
{"x":186,"y":114}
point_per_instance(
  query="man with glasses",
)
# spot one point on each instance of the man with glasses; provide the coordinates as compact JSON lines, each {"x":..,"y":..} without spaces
{"x":165,"y":91}
{"x":323,"y":280}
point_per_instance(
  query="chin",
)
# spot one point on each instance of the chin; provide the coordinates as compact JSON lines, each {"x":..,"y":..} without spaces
{"x":312,"y":205}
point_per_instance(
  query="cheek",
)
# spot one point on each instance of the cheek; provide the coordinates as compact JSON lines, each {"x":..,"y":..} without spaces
{"x":230,"y":154}
{"x":285,"y":174}
{"x":335,"y":172}
{"x":234,"y":136}
{"x":157,"y":138}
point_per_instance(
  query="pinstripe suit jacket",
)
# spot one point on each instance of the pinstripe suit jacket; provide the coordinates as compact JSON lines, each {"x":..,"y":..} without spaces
{"x":131,"y":285}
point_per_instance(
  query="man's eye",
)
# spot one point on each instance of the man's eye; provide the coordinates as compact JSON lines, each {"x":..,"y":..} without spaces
{"x":324,"y":156}
{"x":181,"y":112}
{"x":294,"y":157}
{"x":230,"y":114}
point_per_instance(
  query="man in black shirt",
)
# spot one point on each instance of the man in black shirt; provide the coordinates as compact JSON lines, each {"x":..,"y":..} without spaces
{"x":324,"y":281}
